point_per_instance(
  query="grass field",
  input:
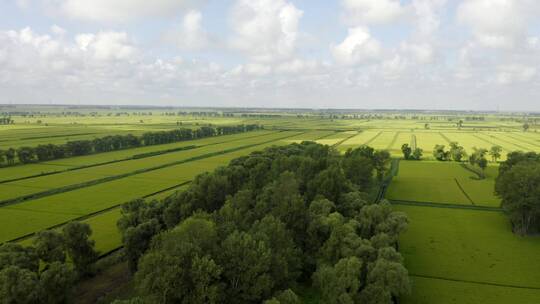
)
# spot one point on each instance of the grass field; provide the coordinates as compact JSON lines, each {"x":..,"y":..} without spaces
{"x":454,"y":248}
{"x":454,"y":255}
{"x":58,"y":208}
{"x":442,"y":182}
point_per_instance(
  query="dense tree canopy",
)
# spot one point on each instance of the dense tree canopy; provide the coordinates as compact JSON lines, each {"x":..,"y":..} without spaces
{"x":252,"y":231}
{"x":518,"y":185}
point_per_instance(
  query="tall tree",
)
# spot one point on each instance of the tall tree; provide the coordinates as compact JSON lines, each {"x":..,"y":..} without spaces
{"x":495,"y":153}
{"x":56,"y":284}
{"x":18,"y":286}
{"x":406,"y":150}
{"x":49,"y":246}
{"x":79,"y":247}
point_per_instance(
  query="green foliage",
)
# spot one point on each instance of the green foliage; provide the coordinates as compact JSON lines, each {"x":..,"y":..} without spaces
{"x":49,"y":246}
{"x":518,"y":185}
{"x":55,"y":284}
{"x":79,"y":247}
{"x":12,"y":254}
{"x":18,"y":286}
{"x":248,"y":231}
{"x":407,"y":151}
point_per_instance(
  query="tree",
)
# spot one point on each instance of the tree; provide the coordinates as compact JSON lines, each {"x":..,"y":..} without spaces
{"x":519,"y":189}
{"x":406,"y":150}
{"x":180,"y":267}
{"x":137,"y":240}
{"x":381,"y":159}
{"x":417,"y":154}
{"x":341,"y":283}
{"x":495,"y":153}
{"x":49,"y":246}
{"x":79,"y":247}
{"x":440,"y":154}
{"x":526,"y":127}
{"x":457,"y":152}
{"x":56,"y":284}
{"x":13,"y":254}
{"x":10,"y":156}
{"x":246,"y":268}
{"x":2,"y":157}
{"x":18,"y":286}
{"x":26,"y":154}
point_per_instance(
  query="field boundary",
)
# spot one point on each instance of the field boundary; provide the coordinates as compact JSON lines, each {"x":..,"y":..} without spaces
{"x":445,"y":137}
{"x":463,"y":191}
{"x":372,"y":139}
{"x":394,"y":139}
{"x":446,"y":205}
{"x":474,"y":282}
{"x":124,"y":175}
{"x":343,"y":140}
{"x":490,"y":142}
{"x":132,"y":157}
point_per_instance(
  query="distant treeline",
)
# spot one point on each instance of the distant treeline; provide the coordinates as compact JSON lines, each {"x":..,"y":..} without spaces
{"x":6,"y":121}
{"x":113,"y":143}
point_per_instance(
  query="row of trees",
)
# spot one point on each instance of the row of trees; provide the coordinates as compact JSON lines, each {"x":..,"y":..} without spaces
{"x":112,"y":143}
{"x":518,"y":186}
{"x":41,"y":273}
{"x":252,"y":231}
{"x":6,"y":120}
{"x":411,"y":154}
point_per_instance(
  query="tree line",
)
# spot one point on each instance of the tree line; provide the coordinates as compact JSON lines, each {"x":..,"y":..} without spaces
{"x":47,"y":152}
{"x":253,"y":231}
{"x":46,"y":272}
{"x":518,"y":186}
{"x":6,"y":121}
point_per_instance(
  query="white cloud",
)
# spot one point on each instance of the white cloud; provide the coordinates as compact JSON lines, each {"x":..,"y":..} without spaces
{"x":120,"y":10}
{"x":58,"y":30}
{"x":107,"y":45}
{"x":358,"y":47}
{"x":427,"y":15}
{"x":362,"y":12}
{"x":497,"y":23}
{"x":190,"y":34}
{"x":265,"y":30}
{"x":512,"y":73}
{"x":421,"y":52}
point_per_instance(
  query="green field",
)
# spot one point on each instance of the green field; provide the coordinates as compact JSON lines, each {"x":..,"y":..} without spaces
{"x":459,"y":247}
{"x":442,"y":182}
{"x":452,"y":248}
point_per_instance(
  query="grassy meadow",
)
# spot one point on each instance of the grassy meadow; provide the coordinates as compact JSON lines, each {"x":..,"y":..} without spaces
{"x":459,"y":247}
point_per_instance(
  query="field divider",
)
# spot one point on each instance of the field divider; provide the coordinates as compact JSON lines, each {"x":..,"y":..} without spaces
{"x":372,"y":139}
{"x":491,"y":143}
{"x":124,"y":175}
{"x":445,"y":137}
{"x":93,"y":214}
{"x":520,"y":137}
{"x":473,"y":282}
{"x":394,"y":139}
{"x":509,"y":142}
{"x":446,"y":205}
{"x":132,"y":157}
{"x":343,"y":140}
{"x":463,"y":191}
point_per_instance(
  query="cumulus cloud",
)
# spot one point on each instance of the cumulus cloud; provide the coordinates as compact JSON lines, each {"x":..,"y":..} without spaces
{"x":362,"y":12}
{"x":265,"y":30}
{"x":190,"y":35}
{"x":107,"y":45}
{"x":497,"y":23}
{"x":358,"y":47}
{"x":120,"y":10}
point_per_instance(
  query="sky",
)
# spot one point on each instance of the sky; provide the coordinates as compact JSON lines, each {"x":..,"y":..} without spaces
{"x":362,"y":54}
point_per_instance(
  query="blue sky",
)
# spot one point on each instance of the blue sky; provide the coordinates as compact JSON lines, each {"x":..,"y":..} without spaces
{"x":415,"y":54}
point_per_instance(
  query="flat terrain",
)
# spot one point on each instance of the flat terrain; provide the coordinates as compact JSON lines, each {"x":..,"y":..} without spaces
{"x":459,"y":247}
{"x":456,"y":254}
